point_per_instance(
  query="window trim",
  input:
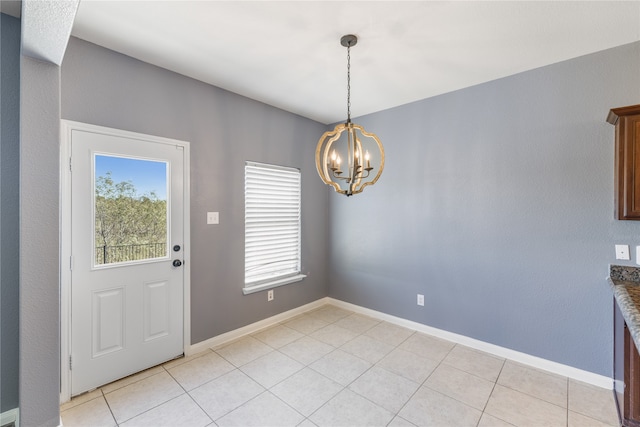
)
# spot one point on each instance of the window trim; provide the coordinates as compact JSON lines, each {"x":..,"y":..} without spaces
{"x":273,"y":284}
{"x":269,"y":283}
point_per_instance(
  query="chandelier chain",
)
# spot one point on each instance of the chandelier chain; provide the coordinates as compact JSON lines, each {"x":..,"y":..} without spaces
{"x":349,"y":83}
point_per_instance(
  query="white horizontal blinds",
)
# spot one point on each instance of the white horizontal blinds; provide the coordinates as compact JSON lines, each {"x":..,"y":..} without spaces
{"x":272,"y":223}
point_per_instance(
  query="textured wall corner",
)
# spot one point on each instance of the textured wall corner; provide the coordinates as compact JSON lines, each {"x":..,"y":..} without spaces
{"x":46,"y":28}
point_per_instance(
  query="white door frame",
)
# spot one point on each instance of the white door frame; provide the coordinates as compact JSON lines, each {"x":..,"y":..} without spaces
{"x":66,"y":126}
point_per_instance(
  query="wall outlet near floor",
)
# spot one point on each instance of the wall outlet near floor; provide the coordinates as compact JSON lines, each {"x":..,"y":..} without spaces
{"x":622,"y":252}
{"x":421,"y":299}
{"x":270,"y":295}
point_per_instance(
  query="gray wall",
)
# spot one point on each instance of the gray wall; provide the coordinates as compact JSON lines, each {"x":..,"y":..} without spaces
{"x":496,"y":203}
{"x":9,"y":182}
{"x":501,"y":214}
{"x":39,"y":243}
{"x":105,"y":88}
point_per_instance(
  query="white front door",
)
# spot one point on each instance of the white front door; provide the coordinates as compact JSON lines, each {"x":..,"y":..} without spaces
{"x":127,"y":254}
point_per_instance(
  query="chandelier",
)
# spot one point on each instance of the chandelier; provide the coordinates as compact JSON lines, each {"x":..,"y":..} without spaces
{"x":348,"y":158}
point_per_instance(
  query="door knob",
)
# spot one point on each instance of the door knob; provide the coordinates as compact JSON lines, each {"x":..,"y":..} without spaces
{"x":177,"y":263}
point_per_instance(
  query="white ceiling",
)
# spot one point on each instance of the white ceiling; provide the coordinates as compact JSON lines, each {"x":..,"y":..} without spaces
{"x":288,"y":54}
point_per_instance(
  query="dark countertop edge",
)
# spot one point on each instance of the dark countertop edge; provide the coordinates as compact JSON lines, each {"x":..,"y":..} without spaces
{"x":627,"y":307}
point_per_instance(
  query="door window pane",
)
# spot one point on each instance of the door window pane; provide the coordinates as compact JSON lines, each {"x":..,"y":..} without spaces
{"x":130,"y":208}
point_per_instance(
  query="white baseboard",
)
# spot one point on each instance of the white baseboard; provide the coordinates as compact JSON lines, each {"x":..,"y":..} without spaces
{"x":506,"y":353}
{"x":10,"y":416}
{"x":618,"y":386}
{"x":254,"y":327}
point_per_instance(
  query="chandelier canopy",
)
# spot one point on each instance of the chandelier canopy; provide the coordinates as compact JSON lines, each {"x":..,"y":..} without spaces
{"x":348,"y":158}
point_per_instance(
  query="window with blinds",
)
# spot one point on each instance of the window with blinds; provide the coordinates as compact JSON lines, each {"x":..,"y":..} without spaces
{"x":272,"y":226}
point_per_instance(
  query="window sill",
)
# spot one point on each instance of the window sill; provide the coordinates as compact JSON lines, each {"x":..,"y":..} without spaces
{"x":273,"y":284}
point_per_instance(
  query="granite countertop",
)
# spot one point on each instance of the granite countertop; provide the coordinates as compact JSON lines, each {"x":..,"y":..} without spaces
{"x":625,"y":283}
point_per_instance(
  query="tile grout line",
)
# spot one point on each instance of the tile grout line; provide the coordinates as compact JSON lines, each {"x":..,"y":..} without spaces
{"x":154,"y":407}
{"x":186,"y":391}
{"x":423,"y":383}
{"x":104,"y":396}
{"x":495,"y":383}
{"x":532,"y":395}
{"x":309,"y":367}
{"x":269,"y":389}
{"x":420,"y":385}
{"x":345,"y":387}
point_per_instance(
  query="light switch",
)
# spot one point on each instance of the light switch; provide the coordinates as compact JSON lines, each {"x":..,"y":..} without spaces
{"x":214,"y":218}
{"x":638,"y":255}
{"x":622,"y":252}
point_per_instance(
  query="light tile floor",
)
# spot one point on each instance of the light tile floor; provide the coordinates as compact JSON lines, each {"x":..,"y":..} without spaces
{"x":331,"y":367}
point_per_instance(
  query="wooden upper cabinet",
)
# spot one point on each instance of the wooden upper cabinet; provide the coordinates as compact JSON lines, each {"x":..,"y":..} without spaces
{"x":627,"y":167}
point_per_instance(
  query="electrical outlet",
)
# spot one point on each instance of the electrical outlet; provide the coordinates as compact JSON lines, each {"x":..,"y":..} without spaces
{"x":270,"y":295}
{"x":421,"y":299}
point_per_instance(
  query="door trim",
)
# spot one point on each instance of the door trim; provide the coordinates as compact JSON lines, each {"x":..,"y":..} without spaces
{"x":66,"y":127}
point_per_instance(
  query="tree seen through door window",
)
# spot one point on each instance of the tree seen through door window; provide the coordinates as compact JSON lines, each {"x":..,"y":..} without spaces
{"x":130,"y":210}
